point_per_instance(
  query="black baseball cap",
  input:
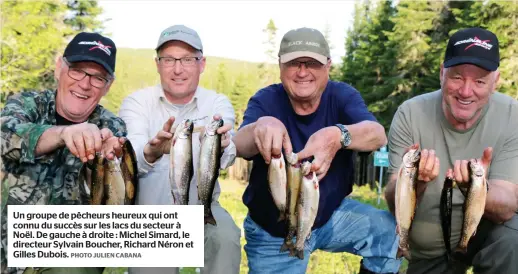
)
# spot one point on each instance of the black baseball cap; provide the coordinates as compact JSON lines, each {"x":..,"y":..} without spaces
{"x":475,"y":46}
{"x":90,"y":46}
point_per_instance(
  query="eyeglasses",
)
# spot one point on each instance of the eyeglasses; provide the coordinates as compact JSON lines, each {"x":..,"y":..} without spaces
{"x":79,"y":74}
{"x":171,"y":61}
{"x":95,"y":80}
{"x":313,"y":65}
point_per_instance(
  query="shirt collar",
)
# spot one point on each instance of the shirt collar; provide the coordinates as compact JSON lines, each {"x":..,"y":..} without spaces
{"x":195,"y":99}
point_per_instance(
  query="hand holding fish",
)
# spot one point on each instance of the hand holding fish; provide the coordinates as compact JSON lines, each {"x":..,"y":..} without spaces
{"x":112,"y":147}
{"x":428,"y":166}
{"x":270,"y":136}
{"x":323,"y":145}
{"x":84,"y":140}
{"x":160,"y":144}
{"x":224,"y":131}
{"x":460,"y":169}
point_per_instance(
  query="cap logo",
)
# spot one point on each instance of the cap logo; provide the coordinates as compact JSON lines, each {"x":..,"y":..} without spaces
{"x":475,"y":42}
{"x":98,"y":45}
{"x":167,"y":33}
{"x":296,"y":43}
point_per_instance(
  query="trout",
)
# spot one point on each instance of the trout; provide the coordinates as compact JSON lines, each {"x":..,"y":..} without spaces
{"x":114,"y":185}
{"x":294,"y":181}
{"x":91,"y":181}
{"x":307,"y":208}
{"x":208,"y":167}
{"x":106,"y":181}
{"x":406,"y":199}
{"x":129,"y":171}
{"x":446,"y":209}
{"x":277,"y":184}
{"x":181,"y":165}
{"x":474,"y":204}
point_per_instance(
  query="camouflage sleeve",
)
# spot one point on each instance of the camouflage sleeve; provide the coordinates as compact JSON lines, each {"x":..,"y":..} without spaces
{"x":113,"y":123}
{"x":20,"y":130}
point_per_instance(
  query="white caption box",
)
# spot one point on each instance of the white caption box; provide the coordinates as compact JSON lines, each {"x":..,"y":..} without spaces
{"x":105,"y":236}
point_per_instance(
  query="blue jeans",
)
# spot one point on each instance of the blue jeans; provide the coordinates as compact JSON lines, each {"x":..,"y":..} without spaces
{"x":354,"y":227}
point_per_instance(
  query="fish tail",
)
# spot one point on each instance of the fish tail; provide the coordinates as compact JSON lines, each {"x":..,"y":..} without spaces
{"x":300,"y":254}
{"x":210,"y":219}
{"x":405,"y":254}
{"x":461,"y":249}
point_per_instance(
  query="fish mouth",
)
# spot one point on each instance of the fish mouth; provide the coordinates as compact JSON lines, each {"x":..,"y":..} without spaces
{"x":475,"y":168}
{"x":213,"y":126}
{"x":412,"y":157}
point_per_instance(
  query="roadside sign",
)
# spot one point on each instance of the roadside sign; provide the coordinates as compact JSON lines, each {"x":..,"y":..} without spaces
{"x":381,"y":158}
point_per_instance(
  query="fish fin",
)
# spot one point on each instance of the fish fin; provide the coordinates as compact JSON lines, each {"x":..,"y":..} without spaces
{"x":406,"y":254}
{"x":210,"y":220}
{"x":282,"y":217}
{"x":292,"y":252}
{"x":300,"y":254}
{"x":462,"y":250}
{"x":285,"y":247}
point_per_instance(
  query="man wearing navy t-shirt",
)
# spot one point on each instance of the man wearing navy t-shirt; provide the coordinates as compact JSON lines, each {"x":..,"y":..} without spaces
{"x":323,"y":121}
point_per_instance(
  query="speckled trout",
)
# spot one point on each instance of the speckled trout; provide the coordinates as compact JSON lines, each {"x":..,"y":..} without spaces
{"x":406,"y":199}
{"x":208,"y":168}
{"x":474,"y":204}
{"x":114,"y":184}
{"x":277,"y":180}
{"x":307,"y":208}
{"x":294,"y":180}
{"x":181,"y":165}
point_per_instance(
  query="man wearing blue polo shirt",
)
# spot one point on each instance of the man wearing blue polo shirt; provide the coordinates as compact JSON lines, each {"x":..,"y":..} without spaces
{"x":321,"y":120}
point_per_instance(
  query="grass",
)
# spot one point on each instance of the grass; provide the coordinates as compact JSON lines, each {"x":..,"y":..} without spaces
{"x":319,"y":262}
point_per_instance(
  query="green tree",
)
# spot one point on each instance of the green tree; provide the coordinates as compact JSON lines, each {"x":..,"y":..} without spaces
{"x":267,"y":74}
{"x":83,"y":16}
{"x":32,"y":35}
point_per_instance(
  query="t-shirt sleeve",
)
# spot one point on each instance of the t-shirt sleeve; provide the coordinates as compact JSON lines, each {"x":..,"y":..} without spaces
{"x":504,"y":165}
{"x":355,"y":109}
{"x":399,"y":137}
{"x":255,"y":109}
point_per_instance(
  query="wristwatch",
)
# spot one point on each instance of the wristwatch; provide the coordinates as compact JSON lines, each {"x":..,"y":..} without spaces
{"x":345,"y":139}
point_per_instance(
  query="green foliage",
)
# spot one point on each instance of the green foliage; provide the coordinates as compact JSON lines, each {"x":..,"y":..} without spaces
{"x":394,"y":52}
{"x":34,"y":34}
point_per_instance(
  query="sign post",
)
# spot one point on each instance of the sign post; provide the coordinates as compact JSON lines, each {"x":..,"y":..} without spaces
{"x":381,"y":160}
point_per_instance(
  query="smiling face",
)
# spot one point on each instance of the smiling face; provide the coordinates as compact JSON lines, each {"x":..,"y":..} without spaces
{"x":304,"y":82}
{"x":466,"y":90}
{"x":179,"y":81}
{"x":76,"y":100}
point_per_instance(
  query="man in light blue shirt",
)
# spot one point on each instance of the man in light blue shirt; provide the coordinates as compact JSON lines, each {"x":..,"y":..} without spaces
{"x":150,"y":113}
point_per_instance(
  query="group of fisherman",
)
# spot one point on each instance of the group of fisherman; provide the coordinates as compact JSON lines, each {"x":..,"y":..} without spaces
{"x":304,"y":129}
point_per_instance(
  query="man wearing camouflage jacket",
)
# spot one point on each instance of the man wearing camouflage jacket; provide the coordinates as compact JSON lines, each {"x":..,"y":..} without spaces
{"x":48,"y":135}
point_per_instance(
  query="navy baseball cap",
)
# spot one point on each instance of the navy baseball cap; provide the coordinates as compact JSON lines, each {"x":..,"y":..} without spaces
{"x":475,"y":46}
{"x":89,"y":46}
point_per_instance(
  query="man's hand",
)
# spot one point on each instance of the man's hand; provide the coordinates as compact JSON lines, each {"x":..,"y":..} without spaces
{"x":84,"y":140}
{"x":270,"y":136}
{"x":323,"y":145}
{"x":460,"y":169}
{"x":113,"y":147}
{"x":428,"y":166}
{"x":160,"y":144}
